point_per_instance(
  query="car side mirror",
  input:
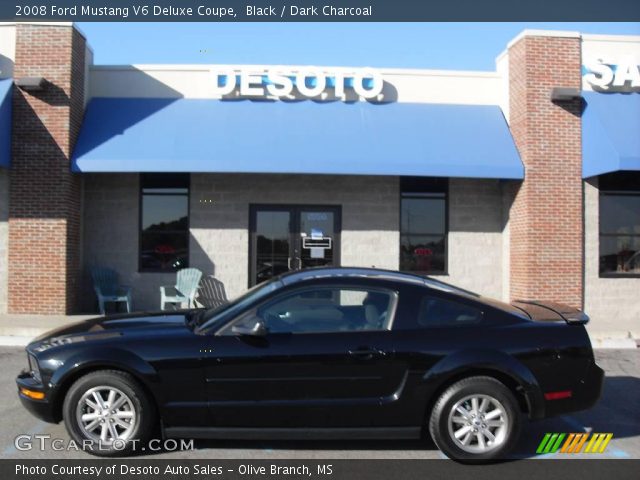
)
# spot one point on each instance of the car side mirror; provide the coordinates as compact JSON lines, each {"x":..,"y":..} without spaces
{"x":256,"y":328}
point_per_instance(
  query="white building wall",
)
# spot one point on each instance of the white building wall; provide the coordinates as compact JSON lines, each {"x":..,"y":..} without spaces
{"x":610,"y":49}
{"x":219,"y":221}
{"x":219,"y":242}
{"x":502,"y":69}
{"x":220,"y":218}
{"x":196,"y":81}
{"x":612,"y":303}
{"x":476,"y":223}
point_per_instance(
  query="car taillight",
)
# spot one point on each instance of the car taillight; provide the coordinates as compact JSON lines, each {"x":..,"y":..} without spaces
{"x":558,"y":395}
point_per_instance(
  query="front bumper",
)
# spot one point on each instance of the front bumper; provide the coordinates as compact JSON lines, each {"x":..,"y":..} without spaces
{"x":42,"y":409}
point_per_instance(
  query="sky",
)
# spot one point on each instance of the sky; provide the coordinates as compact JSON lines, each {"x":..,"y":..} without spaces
{"x":450,"y":46}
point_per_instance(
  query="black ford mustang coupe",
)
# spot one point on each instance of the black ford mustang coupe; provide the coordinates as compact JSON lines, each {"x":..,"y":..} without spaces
{"x":320,"y":353}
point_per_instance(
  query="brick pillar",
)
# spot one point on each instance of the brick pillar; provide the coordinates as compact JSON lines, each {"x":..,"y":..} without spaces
{"x":44,"y":201}
{"x":546,"y":219}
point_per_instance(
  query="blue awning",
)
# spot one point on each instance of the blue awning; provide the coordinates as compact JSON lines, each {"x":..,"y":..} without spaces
{"x":610,"y":133}
{"x":5,"y":122}
{"x":245,"y":136}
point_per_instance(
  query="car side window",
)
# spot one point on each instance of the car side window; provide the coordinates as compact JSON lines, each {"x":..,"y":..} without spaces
{"x":440,"y":312}
{"x":329,"y":309}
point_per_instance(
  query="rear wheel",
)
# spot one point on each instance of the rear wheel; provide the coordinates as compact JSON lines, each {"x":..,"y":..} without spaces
{"x":108,"y":413}
{"x":476,"y":419}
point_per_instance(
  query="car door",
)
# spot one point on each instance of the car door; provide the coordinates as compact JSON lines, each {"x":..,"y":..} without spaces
{"x":327,"y":360}
{"x":431,"y":326}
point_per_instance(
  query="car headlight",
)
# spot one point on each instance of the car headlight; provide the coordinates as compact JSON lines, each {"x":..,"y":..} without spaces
{"x":34,"y":369}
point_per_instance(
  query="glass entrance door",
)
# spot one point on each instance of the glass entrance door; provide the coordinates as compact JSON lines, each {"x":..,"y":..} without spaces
{"x":285,"y":238}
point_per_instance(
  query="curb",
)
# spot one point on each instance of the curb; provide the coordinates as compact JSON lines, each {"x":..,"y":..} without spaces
{"x":14,"y":341}
{"x":613,"y":343}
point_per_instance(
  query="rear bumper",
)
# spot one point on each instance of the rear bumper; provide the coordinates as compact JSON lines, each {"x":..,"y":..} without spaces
{"x":584,"y":396}
{"x":42,"y":409}
{"x":591,"y":388}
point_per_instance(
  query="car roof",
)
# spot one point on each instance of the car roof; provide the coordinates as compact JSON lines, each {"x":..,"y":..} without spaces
{"x":290,"y":278}
{"x":369,"y":273}
{"x":358,"y":272}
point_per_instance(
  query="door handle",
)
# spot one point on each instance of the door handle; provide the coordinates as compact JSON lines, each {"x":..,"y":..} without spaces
{"x":367,"y":353}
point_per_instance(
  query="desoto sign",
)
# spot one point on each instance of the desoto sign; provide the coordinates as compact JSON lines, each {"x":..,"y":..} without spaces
{"x":618,"y":75}
{"x":309,"y":82}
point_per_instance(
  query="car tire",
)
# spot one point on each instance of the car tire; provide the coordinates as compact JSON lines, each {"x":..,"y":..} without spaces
{"x":476,"y":420}
{"x":106,"y":431}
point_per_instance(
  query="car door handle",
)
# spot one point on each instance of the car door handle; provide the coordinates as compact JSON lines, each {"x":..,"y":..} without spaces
{"x":366,"y":353}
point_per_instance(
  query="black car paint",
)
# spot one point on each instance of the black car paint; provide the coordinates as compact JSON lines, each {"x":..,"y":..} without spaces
{"x":345,"y":380}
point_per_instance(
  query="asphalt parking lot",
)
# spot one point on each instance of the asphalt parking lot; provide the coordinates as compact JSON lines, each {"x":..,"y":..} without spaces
{"x":617,"y":413}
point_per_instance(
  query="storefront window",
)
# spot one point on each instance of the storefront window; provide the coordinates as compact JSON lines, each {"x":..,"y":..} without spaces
{"x":423,"y":225}
{"x":164,"y":222}
{"x":620,"y":224}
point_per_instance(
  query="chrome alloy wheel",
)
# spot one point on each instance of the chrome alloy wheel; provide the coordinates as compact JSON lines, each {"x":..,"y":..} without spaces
{"x":106,"y":414}
{"x":478,"y":424}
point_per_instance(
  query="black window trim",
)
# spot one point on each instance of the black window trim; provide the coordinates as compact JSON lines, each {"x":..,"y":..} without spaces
{"x":612,"y":191}
{"x":273,"y":299}
{"x":187,"y":233}
{"x":445,"y":192}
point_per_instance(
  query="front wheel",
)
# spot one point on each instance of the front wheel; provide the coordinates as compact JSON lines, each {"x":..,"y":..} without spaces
{"x":108,"y":414}
{"x":476,"y":419}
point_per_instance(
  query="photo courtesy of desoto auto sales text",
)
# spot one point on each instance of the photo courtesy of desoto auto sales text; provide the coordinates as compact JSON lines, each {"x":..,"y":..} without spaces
{"x":319,"y":240}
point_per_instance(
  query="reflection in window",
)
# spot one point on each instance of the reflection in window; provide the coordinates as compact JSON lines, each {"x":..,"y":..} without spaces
{"x":164,"y":222}
{"x":272,"y":243}
{"x":620,"y":223}
{"x":329,"y":309}
{"x":438,"y":312}
{"x":423,"y":225}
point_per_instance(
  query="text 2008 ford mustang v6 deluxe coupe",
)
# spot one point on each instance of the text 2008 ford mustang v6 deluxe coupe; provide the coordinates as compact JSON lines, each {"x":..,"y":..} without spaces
{"x":320,"y":353}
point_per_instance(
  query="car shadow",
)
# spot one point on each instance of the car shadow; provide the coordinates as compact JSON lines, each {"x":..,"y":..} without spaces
{"x":296,"y":445}
{"x":351,"y":445}
{"x":614,"y":413}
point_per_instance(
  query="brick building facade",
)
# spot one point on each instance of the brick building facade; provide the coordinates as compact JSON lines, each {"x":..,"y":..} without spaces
{"x":44,"y":200}
{"x":534,"y":236}
{"x":547,"y":210}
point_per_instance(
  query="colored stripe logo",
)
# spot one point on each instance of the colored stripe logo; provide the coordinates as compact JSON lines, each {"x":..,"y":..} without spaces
{"x":550,"y":443}
{"x":574,"y":443}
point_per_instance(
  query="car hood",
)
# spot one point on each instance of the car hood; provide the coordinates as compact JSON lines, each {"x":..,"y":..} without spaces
{"x":101,"y":328}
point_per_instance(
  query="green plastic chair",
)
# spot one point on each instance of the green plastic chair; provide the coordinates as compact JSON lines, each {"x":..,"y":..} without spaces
{"x":211,"y":293}
{"x":184,"y":291}
{"x":108,"y":289}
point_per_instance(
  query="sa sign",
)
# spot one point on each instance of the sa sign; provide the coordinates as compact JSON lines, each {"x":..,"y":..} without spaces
{"x":609,"y":75}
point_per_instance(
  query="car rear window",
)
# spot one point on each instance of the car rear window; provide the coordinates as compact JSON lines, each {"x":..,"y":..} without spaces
{"x":438,"y":312}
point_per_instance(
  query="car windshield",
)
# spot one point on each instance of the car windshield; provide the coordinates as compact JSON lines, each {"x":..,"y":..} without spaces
{"x":216,"y":316}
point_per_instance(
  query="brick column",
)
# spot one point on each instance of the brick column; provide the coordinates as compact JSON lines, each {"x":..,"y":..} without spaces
{"x":44,"y":202}
{"x":546,"y":219}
